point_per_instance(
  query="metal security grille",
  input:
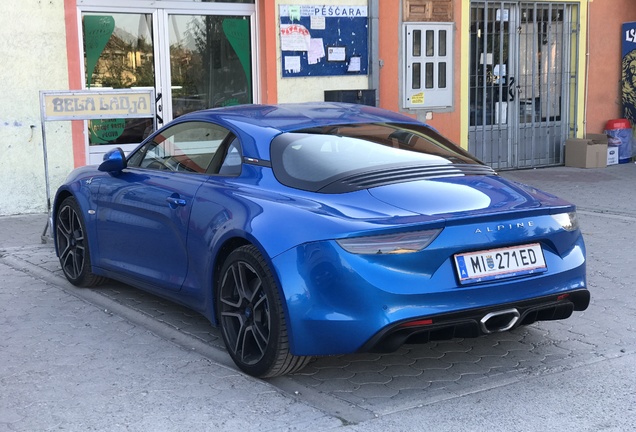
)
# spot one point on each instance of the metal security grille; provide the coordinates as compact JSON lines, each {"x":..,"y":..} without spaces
{"x":523,"y":81}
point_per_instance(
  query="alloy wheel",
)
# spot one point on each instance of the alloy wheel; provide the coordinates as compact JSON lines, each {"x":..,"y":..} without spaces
{"x":70,"y":242}
{"x":245,"y":313}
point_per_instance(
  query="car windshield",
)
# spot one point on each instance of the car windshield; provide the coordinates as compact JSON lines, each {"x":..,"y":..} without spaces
{"x":311,"y":159}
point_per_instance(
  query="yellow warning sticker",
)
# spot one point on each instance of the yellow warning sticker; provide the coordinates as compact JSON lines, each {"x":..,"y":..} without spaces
{"x":417,"y":98}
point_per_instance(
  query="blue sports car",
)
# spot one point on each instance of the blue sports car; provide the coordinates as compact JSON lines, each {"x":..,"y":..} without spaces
{"x":321,"y":228}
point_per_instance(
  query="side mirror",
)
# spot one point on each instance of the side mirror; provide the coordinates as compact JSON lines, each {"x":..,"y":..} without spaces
{"x":114,"y":161}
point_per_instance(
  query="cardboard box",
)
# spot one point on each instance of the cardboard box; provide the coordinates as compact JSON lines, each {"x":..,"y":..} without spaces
{"x":612,"y":155}
{"x":585,"y":153}
{"x":597,"y":138}
{"x":612,"y":151}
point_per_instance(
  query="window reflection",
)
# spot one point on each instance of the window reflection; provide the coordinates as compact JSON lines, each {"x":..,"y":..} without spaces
{"x":118,"y":54}
{"x":210,"y":62}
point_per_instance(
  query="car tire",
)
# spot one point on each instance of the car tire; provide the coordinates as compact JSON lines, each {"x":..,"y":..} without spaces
{"x":72,"y":245}
{"x":251,"y":316}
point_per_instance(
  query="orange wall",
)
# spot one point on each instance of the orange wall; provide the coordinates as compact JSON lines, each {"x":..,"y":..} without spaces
{"x":74,"y":77}
{"x":604,"y":78}
{"x":389,"y":29}
{"x":389,"y":35}
{"x":267,"y":44}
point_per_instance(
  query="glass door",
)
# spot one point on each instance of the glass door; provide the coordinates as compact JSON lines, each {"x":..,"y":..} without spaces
{"x":195,"y":57}
{"x":210,"y":62}
{"x":119,"y":53}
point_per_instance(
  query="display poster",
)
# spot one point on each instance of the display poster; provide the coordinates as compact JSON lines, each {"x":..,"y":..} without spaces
{"x":97,"y":32}
{"x":629,"y":71}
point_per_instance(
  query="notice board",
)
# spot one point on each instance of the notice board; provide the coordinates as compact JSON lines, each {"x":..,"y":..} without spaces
{"x":324,"y":40}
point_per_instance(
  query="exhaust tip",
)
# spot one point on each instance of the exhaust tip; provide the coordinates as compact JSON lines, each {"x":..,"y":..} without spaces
{"x":500,"y":321}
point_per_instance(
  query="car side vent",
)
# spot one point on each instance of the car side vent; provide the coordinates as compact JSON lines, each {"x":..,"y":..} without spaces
{"x":398,"y":175}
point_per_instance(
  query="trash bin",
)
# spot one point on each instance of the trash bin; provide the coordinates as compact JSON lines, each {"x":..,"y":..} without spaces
{"x":619,"y":133}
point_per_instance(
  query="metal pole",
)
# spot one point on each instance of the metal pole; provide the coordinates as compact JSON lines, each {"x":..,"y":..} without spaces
{"x":48,"y":226}
{"x":375,"y":63}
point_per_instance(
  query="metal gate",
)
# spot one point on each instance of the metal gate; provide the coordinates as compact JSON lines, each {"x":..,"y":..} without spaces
{"x":523,"y":81}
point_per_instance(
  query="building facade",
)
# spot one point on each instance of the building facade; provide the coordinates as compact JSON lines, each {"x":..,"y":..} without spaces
{"x":508,"y":80}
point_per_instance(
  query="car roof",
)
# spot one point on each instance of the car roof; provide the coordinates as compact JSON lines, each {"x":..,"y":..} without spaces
{"x":295,"y":116}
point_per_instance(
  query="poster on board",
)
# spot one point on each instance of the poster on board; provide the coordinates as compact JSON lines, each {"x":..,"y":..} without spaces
{"x":629,"y":71}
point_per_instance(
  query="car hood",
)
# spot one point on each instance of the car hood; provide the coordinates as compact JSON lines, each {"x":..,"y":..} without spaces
{"x":468,"y":196}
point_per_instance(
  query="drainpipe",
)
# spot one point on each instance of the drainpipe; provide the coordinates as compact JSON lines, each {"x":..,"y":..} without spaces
{"x":587,"y":70}
{"x":374,"y":43}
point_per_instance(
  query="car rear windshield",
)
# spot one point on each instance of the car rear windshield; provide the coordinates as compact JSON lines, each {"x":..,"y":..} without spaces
{"x":325,"y":158}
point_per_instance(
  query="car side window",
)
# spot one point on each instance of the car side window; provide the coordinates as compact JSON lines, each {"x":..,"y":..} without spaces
{"x":189,"y":147}
{"x":233,"y":160}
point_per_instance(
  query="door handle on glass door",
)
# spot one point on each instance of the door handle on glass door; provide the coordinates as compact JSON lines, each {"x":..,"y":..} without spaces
{"x":511,"y":89}
{"x":159,"y":109}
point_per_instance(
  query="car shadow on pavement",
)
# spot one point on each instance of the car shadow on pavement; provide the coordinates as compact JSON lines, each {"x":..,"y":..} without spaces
{"x":414,"y":374}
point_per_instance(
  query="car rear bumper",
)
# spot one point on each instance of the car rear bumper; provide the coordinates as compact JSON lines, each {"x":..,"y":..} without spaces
{"x":477,"y":322}
{"x":338,"y":303}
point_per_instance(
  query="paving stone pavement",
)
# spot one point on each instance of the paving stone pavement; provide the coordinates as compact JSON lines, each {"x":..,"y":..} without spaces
{"x":353,"y":389}
{"x":68,"y":365}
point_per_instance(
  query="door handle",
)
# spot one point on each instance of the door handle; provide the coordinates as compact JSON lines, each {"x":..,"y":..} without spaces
{"x":175,"y":202}
{"x":511,"y":89}
{"x":159,"y":109}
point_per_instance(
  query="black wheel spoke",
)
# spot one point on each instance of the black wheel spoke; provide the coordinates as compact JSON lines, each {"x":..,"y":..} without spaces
{"x":262,"y":319}
{"x":229,"y":297}
{"x":261,"y":336}
{"x":261,"y":304}
{"x":64,"y":250}
{"x":67,"y":258}
{"x":257,"y":348}
{"x":243,"y":283}
{"x":63,"y":227}
{"x":256,"y":290}
{"x":77,"y":263}
{"x":238,"y":323}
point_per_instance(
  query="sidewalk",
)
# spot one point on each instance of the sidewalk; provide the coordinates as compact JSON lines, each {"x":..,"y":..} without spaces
{"x":72,"y":360}
{"x":611,"y":189}
{"x":117,"y":359}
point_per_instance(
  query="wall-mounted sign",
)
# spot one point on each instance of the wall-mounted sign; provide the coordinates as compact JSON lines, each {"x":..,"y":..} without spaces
{"x":296,"y":12}
{"x":92,"y":105}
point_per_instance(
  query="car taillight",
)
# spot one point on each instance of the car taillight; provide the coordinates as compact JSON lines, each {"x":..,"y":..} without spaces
{"x":390,"y":243}
{"x":568,"y":221}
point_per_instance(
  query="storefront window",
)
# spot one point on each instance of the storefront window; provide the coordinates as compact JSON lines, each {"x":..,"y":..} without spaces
{"x":118,"y":54}
{"x":193,"y":57}
{"x":210,"y":62}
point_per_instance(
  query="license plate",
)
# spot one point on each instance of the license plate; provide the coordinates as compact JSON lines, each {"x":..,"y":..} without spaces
{"x":500,"y":263}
